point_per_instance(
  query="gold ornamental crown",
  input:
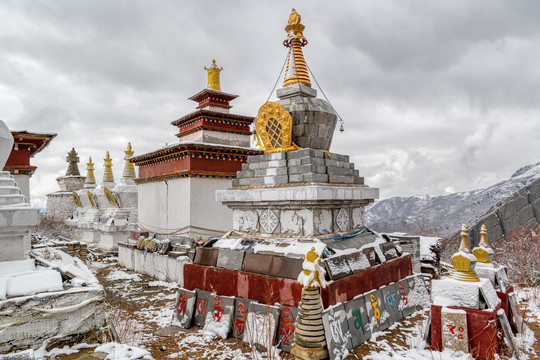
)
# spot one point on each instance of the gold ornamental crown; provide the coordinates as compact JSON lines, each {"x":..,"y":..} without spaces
{"x":483,"y":253}
{"x":463,"y":262}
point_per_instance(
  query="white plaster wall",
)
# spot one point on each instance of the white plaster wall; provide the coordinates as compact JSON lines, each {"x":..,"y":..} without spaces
{"x":173,"y":205}
{"x":206,"y":212}
{"x":23,"y":182}
{"x":164,"y":205}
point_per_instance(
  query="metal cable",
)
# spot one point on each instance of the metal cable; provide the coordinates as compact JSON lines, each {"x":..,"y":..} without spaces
{"x":322,"y":91}
{"x":279,"y":76}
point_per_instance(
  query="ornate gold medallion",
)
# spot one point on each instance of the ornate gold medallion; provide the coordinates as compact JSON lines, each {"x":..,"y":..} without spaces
{"x":274,"y":127}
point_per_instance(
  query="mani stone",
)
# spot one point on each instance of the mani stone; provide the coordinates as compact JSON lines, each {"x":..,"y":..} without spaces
{"x":337,"y":267}
{"x":392,"y":299}
{"x":489,"y":294}
{"x":286,"y":327}
{"x":454,"y":329}
{"x":418,"y":292}
{"x":358,"y":320}
{"x":358,"y":262}
{"x":507,"y":331}
{"x":516,"y":313}
{"x":501,"y":278}
{"x":407,"y":306}
{"x":336,"y":329}
{"x":185,"y":306}
{"x":262,"y":321}
{"x":201,"y":306}
{"x":219,"y":316}
{"x":241,"y":309}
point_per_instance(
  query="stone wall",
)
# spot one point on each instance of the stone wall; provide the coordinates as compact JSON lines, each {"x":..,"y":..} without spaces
{"x":60,"y":204}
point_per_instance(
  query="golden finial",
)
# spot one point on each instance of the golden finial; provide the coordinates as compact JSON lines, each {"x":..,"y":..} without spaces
{"x":213,"y":76}
{"x":463,"y":261}
{"x":484,"y":253}
{"x":108,"y":174}
{"x":296,"y":71}
{"x":129,"y":169}
{"x":312,"y":274}
{"x":90,"y":178}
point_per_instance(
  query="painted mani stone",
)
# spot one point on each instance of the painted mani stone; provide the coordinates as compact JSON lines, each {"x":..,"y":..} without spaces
{"x":286,"y":327}
{"x":405,"y":305}
{"x":377,"y":314}
{"x":392,"y":298}
{"x":241,"y":308}
{"x":336,"y":330}
{"x":358,"y":320}
{"x":454,"y":330}
{"x":185,"y":304}
{"x":261,"y":325}
{"x":201,"y":307}
{"x":219,"y":316}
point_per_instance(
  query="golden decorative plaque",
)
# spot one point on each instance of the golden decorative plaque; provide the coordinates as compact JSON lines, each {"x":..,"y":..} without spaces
{"x":110,"y":197}
{"x":274,"y":126}
{"x":92,"y":199}
{"x":76,"y":199}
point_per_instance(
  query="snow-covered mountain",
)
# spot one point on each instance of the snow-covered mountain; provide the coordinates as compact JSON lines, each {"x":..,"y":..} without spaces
{"x":443,"y":215}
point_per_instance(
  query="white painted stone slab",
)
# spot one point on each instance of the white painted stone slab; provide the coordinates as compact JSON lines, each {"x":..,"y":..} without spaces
{"x":507,"y":331}
{"x":502,"y":278}
{"x":514,"y":310}
{"x":488,"y":292}
{"x":449,"y":292}
{"x":454,"y":330}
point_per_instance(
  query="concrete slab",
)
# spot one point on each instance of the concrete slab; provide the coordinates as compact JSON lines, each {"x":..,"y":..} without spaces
{"x":358,"y":320}
{"x":337,"y":333}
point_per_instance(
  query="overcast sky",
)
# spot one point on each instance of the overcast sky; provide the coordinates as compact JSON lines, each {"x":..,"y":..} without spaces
{"x":437,"y":96}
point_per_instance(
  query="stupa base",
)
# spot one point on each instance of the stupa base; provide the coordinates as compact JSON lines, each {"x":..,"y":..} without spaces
{"x":305,"y":353}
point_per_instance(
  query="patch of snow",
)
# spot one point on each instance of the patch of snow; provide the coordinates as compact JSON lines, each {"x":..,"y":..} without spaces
{"x":219,"y":328}
{"x":426,"y":243}
{"x":117,"y":351}
{"x":122,"y":275}
{"x":30,"y":284}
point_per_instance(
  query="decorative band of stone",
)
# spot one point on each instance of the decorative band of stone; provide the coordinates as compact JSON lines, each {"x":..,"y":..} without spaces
{"x":184,"y":175}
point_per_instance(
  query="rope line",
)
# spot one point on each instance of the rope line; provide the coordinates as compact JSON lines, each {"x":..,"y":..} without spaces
{"x":279,"y":76}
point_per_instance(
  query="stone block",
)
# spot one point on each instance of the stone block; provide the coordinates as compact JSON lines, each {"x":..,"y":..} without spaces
{"x":331,"y":162}
{"x":277,"y":156}
{"x":371,"y":256}
{"x":276,"y":180}
{"x":241,"y":309}
{"x":302,"y":153}
{"x":337,"y":267}
{"x":185,"y":308}
{"x":285,"y":267}
{"x":392,"y":299}
{"x":358,"y":320}
{"x":316,"y":178}
{"x":206,"y":256}
{"x":489,"y":294}
{"x":245,"y":167}
{"x":358,"y":180}
{"x":295,"y":162}
{"x":230,"y":259}
{"x":448,"y":292}
{"x":257,"y":263}
{"x":277,"y":163}
{"x":389,"y":250}
{"x":296,"y":178}
{"x":357,"y":261}
{"x":201,"y":306}
{"x":245,"y":174}
{"x":507,"y":331}
{"x":302,"y":169}
{"x":261,"y":325}
{"x":245,"y":220}
{"x":501,"y":278}
{"x":340,"y":179}
{"x":219,"y":316}
{"x":254,"y":158}
{"x":515,"y":312}
{"x":377,"y":315}
{"x":286,"y":324}
{"x":332,"y":170}
{"x":454,"y":330}
{"x":337,"y":333}
{"x":294,"y":90}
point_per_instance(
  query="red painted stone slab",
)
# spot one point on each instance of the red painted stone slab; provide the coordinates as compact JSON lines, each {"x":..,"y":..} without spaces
{"x":195,"y":277}
{"x":481,"y":327}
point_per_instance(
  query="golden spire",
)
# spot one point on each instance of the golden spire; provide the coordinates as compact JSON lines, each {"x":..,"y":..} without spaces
{"x":90,"y":178}
{"x":296,"y":71}
{"x":213,"y":76}
{"x":483,"y":253}
{"x":108,"y":174}
{"x":463,"y":261}
{"x":129,"y":169}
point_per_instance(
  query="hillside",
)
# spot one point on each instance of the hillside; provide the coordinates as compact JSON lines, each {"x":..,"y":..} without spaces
{"x":443,"y":215}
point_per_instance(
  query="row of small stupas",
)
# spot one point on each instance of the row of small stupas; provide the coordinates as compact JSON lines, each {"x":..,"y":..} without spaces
{"x":105,"y":213}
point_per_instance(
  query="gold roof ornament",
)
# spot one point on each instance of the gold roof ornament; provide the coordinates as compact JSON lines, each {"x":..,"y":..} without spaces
{"x":274,"y":127}
{"x":129,"y":168}
{"x":213,"y":76}
{"x":108,"y":176}
{"x":483,"y":253}
{"x":76,"y":199}
{"x":72,"y":159}
{"x":463,"y":261}
{"x":111,"y":198}
{"x":90,"y":178}
{"x":296,"y":71}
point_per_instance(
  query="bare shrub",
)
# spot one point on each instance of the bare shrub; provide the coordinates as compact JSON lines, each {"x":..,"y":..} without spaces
{"x":520,"y":252}
{"x":54,"y":227}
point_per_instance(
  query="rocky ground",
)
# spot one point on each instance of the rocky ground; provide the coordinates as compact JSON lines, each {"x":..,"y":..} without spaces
{"x":141,"y":310}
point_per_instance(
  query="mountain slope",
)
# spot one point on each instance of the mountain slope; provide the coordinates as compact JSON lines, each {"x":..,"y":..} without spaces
{"x":443,"y":215}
